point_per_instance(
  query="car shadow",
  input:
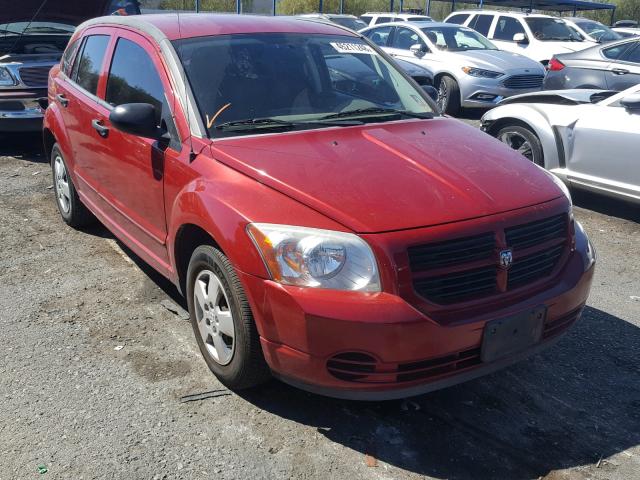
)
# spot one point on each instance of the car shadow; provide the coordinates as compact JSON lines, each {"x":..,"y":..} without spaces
{"x":606,"y":205}
{"x":25,"y":146}
{"x":573,"y":405}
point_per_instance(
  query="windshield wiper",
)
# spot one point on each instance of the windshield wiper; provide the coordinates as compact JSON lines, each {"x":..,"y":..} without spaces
{"x":274,"y":123}
{"x":376,"y":111}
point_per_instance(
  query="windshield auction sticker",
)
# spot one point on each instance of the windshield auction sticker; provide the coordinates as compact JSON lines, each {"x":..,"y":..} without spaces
{"x":353,"y":48}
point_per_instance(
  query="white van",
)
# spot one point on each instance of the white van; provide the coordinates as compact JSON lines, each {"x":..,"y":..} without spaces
{"x":539,"y":37}
{"x":376,"y":18}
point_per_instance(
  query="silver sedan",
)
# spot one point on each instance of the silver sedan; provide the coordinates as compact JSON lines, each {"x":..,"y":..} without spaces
{"x":587,"y":138}
{"x":469,"y":71}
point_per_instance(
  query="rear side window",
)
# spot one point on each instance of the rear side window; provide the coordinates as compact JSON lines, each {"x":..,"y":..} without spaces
{"x":366,"y":19}
{"x":632,"y":55}
{"x":614,"y":53}
{"x":68,"y":56}
{"x":86,"y":71}
{"x":379,"y":36}
{"x":383,"y":20}
{"x":133,"y":78}
{"x":405,"y":38}
{"x":481,"y":24}
{"x":458,"y":18}
{"x":506,"y":28}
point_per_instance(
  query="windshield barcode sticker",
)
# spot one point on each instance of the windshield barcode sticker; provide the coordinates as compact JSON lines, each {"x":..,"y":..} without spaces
{"x":353,"y":48}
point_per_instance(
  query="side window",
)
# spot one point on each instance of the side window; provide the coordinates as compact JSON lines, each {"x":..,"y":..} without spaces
{"x":632,"y":55}
{"x":68,"y":56}
{"x":458,"y":18}
{"x":481,"y":24}
{"x":506,"y":28}
{"x":133,"y":78}
{"x":614,"y":53}
{"x":86,"y":71}
{"x":366,"y":19}
{"x":404,"y":38}
{"x":379,"y":36}
{"x":383,"y":20}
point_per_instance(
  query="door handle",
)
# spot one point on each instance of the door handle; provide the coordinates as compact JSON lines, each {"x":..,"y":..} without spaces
{"x":620,"y":71}
{"x":101,"y":129}
{"x":64,"y":101}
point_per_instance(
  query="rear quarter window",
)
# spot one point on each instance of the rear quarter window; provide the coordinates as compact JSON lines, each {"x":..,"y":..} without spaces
{"x":615,"y":52}
{"x":68,"y":57}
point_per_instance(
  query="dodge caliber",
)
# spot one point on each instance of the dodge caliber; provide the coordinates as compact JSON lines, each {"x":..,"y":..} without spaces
{"x":327,"y":226}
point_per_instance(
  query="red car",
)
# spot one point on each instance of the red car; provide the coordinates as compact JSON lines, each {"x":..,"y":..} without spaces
{"x":326,"y":225}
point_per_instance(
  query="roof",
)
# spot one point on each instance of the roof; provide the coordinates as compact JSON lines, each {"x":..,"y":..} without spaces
{"x":551,"y":5}
{"x":204,"y":24}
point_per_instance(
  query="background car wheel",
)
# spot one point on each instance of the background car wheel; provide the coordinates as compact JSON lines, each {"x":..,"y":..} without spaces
{"x":222,"y":321}
{"x":524,"y":141}
{"x":448,"y":96}
{"x":72,"y":210}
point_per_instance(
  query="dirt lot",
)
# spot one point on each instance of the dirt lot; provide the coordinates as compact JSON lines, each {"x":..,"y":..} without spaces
{"x":99,"y":379}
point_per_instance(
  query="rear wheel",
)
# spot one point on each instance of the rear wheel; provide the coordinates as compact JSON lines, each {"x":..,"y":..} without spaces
{"x":72,"y":210}
{"x":524,"y":141}
{"x":222,"y":320}
{"x":448,"y":95}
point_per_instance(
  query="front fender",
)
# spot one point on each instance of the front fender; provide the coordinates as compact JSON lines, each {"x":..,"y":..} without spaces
{"x":493,"y":120}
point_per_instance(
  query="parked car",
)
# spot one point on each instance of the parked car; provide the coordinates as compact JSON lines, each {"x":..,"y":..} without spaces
{"x":350,"y":21}
{"x":592,"y":30}
{"x":613,"y":66}
{"x":626,"y":24}
{"x":627,"y":32}
{"x":588,"y":138}
{"x":338,"y":235}
{"x":536,"y":36}
{"x":33,"y":35}
{"x":469,"y":71}
{"x":376,"y":18}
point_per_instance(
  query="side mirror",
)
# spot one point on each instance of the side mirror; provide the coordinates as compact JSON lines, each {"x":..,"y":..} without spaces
{"x":520,"y":38}
{"x":431,"y":91}
{"x":137,"y":119}
{"x":631,"y":102}
{"x":417,"y":50}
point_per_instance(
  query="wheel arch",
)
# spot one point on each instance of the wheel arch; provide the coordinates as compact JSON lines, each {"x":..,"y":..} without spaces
{"x":189,"y":236}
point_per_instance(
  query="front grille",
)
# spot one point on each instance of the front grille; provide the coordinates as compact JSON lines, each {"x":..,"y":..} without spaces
{"x":468,"y":268}
{"x":34,"y":76}
{"x":363,"y":368}
{"x":524,"y":81}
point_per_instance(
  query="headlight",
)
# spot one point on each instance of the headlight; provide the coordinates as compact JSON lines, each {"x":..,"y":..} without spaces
{"x":6,"y":79}
{"x":310,"y":257}
{"x":481,"y":73}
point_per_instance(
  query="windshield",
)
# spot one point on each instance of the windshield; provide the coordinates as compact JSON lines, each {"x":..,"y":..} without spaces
{"x":599,"y":32}
{"x":18,"y":28}
{"x":352,"y":23}
{"x":552,"y":29}
{"x":293,"y":80}
{"x":457,"y":39}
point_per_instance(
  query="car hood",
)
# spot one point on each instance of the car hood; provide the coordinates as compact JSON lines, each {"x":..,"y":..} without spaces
{"x":393,"y":175}
{"x":566,"y":47}
{"x":496,"y":60}
{"x":561,"y":97}
{"x":69,"y":11}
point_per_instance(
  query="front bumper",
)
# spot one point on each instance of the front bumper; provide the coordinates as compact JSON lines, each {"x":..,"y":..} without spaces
{"x":304,"y":331}
{"x":21,"y":111}
{"x":486,"y":93}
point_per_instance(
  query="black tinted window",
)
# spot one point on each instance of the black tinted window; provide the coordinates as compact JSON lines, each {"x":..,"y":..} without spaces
{"x":632,"y":55}
{"x":384,"y":20}
{"x":405,"y":38}
{"x":69,"y":55}
{"x":459,"y":18}
{"x":615,"y":52}
{"x":481,"y":24}
{"x":133,"y":78}
{"x":379,"y":36}
{"x":506,"y":28}
{"x":87,"y":69}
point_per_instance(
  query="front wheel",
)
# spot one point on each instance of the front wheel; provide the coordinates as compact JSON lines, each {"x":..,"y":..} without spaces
{"x":524,"y":141}
{"x":448,"y":96}
{"x":222,"y":321}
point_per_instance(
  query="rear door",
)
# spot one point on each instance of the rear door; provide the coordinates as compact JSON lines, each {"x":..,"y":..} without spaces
{"x":481,"y":23}
{"x":602,"y":154}
{"x":625,"y":71}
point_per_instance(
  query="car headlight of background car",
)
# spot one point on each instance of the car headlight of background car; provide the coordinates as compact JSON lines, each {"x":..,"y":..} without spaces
{"x":311,"y":257}
{"x":481,"y":73}
{"x":6,"y":79}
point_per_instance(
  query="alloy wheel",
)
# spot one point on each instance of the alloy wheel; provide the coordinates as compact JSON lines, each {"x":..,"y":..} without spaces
{"x":518,"y":142}
{"x":63,"y":191}
{"x":443,"y":96}
{"x":214,"y":317}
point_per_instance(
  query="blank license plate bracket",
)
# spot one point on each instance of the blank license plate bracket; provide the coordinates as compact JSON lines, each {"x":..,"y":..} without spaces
{"x":510,"y":335}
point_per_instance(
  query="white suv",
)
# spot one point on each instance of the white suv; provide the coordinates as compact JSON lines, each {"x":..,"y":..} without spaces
{"x":376,"y":18}
{"x":539,"y":37}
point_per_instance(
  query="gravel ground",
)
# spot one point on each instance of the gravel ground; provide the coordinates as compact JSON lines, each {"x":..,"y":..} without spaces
{"x":100,"y":379}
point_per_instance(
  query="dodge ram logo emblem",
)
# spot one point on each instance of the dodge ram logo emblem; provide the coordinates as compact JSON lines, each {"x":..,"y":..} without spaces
{"x":506,"y":258}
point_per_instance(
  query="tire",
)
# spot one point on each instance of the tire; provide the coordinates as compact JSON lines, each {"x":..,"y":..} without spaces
{"x":523,"y":140}
{"x":72,"y":210}
{"x":235,"y":358}
{"x":448,"y":96}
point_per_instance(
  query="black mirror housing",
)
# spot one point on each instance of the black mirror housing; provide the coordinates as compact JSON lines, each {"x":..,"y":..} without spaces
{"x":137,"y":119}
